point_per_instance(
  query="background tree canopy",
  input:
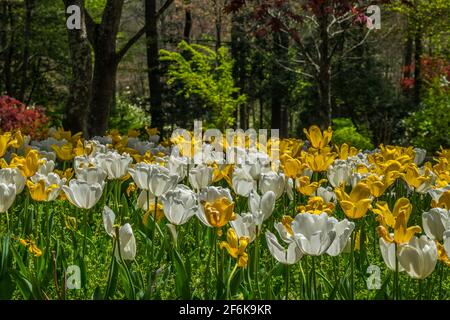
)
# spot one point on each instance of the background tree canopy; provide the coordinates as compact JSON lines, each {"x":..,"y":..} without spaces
{"x":234,"y":64}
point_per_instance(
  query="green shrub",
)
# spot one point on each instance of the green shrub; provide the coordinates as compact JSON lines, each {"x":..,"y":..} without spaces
{"x":344,"y":131}
{"x":428,"y":128}
{"x":127,"y":116}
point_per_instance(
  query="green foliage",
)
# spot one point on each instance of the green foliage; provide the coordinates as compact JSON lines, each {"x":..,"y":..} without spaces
{"x":205,"y":75}
{"x":428,"y":128}
{"x":346,"y":132}
{"x":128,"y":115}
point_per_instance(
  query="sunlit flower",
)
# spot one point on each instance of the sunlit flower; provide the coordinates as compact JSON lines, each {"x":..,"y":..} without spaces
{"x":64,"y":152}
{"x":261,"y":206}
{"x":126,"y":241}
{"x":7,"y":196}
{"x":291,"y":255}
{"x":236,"y":247}
{"x":219,"y":212}
{"x":396,"y":220}
{"x":200,"y":177}
{"x":272,"y":181}
{"x":318,"y":139}
{"x":306,"y":187}
{"x":245,"y":226}
{"x":435,"y":222}
{"x":319,"y":161}
{"x":179,"y":204}
{"x":152,"y":177}
{"x":316,"y":205}
{"x":356,"y":204}
{"x":13,"y":176}
{"x":339,"y":173}
{"x":82,"y":194}
{"x":418,"y":257}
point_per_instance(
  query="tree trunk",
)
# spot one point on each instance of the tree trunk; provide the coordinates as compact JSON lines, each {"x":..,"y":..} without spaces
{"x":154,"y":73}
{"x":77,"y":104}
{"x":278,"y":85}
{"x":324,"y":74}
{"x":9,"y":52}
{"x":105,"y":68}
{"x":408,"y":60}
{"x":187,"y":22}
{"x":29,"y":5}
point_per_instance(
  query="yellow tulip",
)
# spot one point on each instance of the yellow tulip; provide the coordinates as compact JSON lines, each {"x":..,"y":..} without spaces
{"x":356,"y":204}
{"x":219,"y":212}
{"x":236,"y":247}
{"x":413,"y":177}
{"x":306,"y":187}
{"x":29,"y":164}
{"x":5,"y":142}
{"x":292,"y":167}
{"x":152,"y":131}
{"x":68,"y":173}
{"x":442,"y":254}
{"x":133,"y":133}
{"x":151,"y":212}
{"x":396,"y":220}
{"x":39,"y":191}
{"x":443,"y":202}
{"x":316,"y":205}
{"x":65,"y":152}
{"x":60,"y":134}
{"x":346,"y":151}
{"x":319,"y":161}
{"x":18,"y":140}
{"x":222,"y":172}
{"x":378,"y":185}
{"x":318,"y":139}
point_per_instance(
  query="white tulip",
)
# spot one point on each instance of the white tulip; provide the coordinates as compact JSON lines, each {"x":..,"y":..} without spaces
{"x":339,"y":173}
{"x":82,"y":194}
{"x":326,"y":194}
{"x":435,"y":222}
{"x":314,"y":233}
{"x":245,"y":226}
{"x":289,"y":186}
{"x":152,"y":177}
{"x":91,"y":175}
{"x":108,"y":221}
{"x":291,"y":255}
{"x":143,"y":201}
{"x":178,"y":166}
{"x":388,"y":253}
{"x":243,"y":182}
{"x":272,"y":181}
{"x":418,"y":257}
{"x":46,"y":167}
{"x":420,"y":156}
{"x":200,"y":177}
{"x":284,"y":234}
{"x":261,"y":207}
{"x":13,"y":176}
{"x":343,"y":231}
{"x":127,"y":243}
{"x":126,"y":239}
{"x":114,"y":164}
{"x":447,"y":242}
{"x":7,"y":196}
{"x":179,"y":204}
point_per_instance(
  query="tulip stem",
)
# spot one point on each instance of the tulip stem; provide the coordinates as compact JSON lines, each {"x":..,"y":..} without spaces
{"x":287,"y":281}
{"x":7,"y":222}
{"x":229,"y":281}
{"x":313,"y":270}
{"x":396,"y":274}
{"x":111,"y":271}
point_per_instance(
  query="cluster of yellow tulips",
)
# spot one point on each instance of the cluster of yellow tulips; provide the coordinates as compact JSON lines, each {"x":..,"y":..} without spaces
{"x":183,"y":229}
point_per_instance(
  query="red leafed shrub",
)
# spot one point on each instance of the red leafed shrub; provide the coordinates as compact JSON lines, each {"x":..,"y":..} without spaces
{"x":16,"y":115}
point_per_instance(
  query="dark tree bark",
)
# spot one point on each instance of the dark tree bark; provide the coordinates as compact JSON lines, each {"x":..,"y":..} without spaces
{"x":408,"y":59}
{"x":187,"y":22}
{"x":9,"y":51}
{"x":28,"y":6}
{"x":324,"y":74}
{"x":77,"y":106}
{"x":154,"y":73}
{"x":278,"y":84}
{"x":238,"y":51}
{"x":105,"y":67}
